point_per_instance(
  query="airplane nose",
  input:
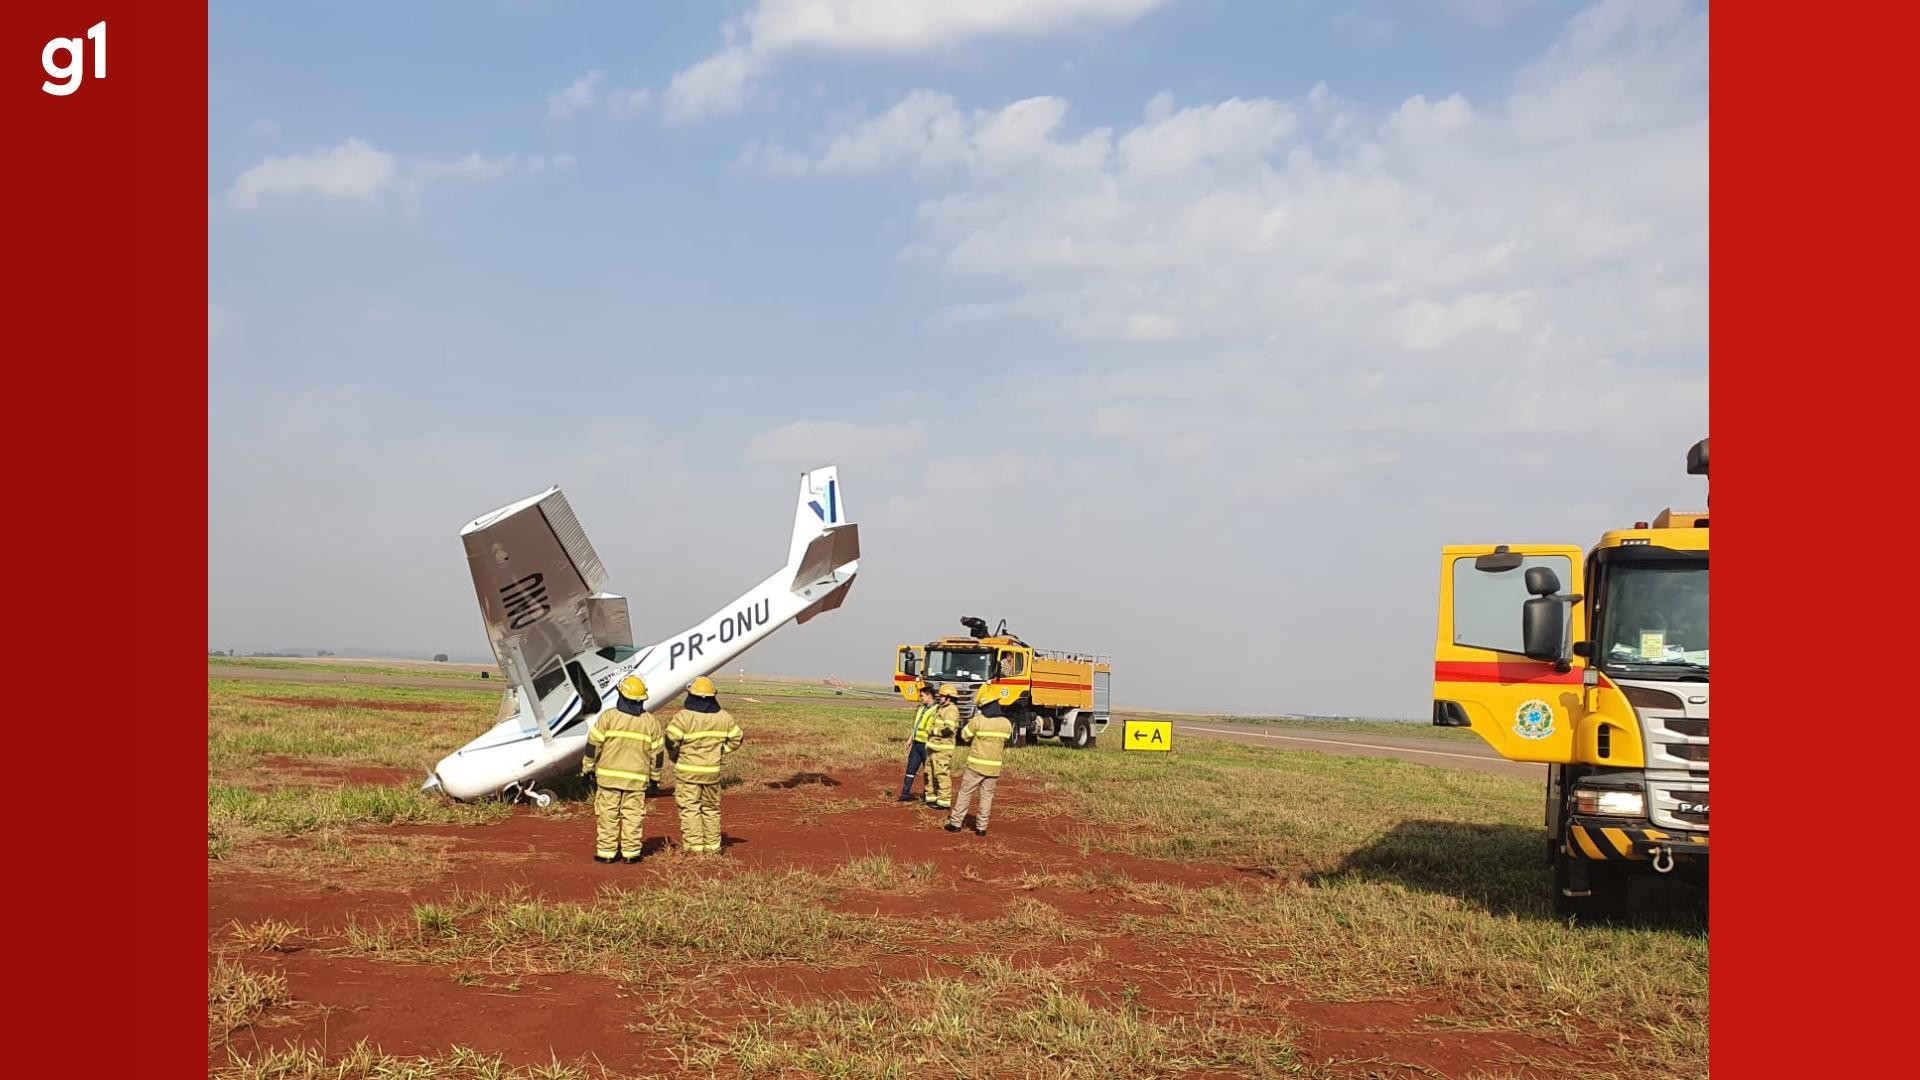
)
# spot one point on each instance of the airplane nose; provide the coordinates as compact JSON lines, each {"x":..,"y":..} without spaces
{"x":432,"y":784}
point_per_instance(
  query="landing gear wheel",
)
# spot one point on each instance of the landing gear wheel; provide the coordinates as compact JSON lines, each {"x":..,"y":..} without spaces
{"x":542,"y":799}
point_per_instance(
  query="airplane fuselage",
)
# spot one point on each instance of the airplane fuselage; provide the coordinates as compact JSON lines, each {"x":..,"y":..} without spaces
{"x":512,"y":756}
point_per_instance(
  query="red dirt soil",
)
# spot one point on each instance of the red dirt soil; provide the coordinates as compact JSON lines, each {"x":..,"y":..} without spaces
{"x":338,"y":999}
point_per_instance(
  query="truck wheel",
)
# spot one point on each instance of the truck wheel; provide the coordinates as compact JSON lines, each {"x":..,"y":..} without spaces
{"x":1081,"y":738}
{"x":1606,"y":885}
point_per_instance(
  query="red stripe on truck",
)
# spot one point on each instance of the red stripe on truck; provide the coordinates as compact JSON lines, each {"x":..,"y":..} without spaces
{"x":1501,"y":671}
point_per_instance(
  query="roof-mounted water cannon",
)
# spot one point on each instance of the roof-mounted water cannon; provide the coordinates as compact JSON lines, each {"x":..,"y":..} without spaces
{"x":975,"y":625}
{"x":1697,"y":459}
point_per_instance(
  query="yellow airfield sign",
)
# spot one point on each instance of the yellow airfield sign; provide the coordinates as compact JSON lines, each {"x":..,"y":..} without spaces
{"x":1149,"y":735}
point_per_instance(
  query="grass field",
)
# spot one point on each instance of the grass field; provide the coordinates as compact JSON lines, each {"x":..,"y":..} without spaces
{"x":1219,"y":910}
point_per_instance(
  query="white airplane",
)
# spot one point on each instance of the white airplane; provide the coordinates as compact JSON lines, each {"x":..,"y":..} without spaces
{"x":565,"y":645}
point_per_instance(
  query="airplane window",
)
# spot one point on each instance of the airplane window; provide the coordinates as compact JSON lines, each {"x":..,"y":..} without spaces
{"x":545,"y":683}
{"x":617,"y":653}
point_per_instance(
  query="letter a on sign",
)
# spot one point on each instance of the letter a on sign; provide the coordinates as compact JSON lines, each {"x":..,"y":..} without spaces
{"x":1149,"y":735}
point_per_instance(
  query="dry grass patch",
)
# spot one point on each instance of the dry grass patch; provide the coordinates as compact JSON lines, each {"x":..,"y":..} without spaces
{"x":994,"y":1020}
{"x":266,"y":935}
{"x":364,"y":1062}
{"x":882,"y":873}
{"x":1364,"y":940}
{"x":237,"y":996}
{"x":752,"y":917}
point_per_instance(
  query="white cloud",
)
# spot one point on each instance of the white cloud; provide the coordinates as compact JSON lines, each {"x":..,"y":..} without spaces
{"x":717,"y":84}
{"x":577,"y":97}
{"x":722,"y":82}
{"x":808,"y":443}
{"x":627,"y":103}
{"x":1492,"y":14}
{"x":357,"y":172}
{"x":1559,"y":225}
{"x":1312,"y":292}
{"x":353,"y":170}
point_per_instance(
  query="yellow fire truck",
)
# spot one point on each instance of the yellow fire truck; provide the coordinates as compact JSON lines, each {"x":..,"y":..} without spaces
{"x":1045,"y":694}
{"x":1607,"y":686}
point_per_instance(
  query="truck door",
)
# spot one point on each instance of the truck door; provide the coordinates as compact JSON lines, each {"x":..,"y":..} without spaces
{"x":1482,"y":677}
{"x":908,"y":663}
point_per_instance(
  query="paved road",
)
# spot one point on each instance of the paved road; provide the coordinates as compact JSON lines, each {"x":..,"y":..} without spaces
{"x":1458,"y":755}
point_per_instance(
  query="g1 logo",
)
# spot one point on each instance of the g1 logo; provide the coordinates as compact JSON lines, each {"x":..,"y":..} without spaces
{"x":73,"y":70}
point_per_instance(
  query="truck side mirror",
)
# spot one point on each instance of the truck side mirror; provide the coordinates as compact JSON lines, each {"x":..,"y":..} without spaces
{"x":909,"y":664}
{"x":1542,"y":581}
{"x":1543,"y":624}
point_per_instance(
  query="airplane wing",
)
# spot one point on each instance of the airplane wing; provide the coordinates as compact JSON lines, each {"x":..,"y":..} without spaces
{"x":539,"y":582}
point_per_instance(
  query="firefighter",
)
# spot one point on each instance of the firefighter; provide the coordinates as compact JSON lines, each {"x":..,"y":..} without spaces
{"x":987,"y":734}
{"x":700,"y":735}
{"x":917,"y":742}
{"x":940,"y":732}
{"x":620,"y":758}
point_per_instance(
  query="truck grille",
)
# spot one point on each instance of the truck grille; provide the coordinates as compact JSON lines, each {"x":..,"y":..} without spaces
{"x":1665,"y":809}
{"x":1682,"y":725}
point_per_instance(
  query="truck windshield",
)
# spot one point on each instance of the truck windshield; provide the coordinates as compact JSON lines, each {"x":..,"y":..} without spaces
{"x":1654,"y":620}
{"x":958,"y":664}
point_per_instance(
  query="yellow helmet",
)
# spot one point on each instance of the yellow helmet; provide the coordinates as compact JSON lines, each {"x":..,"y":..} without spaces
{"x":634,"y":687}
{"x":947,"y":690}
{"x":702,"y":687}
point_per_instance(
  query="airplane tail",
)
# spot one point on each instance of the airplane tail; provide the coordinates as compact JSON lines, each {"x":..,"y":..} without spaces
{"x":825,"y":552}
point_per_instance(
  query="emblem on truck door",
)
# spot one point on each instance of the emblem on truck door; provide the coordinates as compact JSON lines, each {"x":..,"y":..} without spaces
{"x":1533,"y":719}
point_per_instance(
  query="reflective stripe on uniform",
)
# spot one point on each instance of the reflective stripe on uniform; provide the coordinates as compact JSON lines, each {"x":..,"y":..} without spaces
{"x":618,"y":775}
{"x":640,"y":736}
{"x":971,"y":760}
{"x":688,"y":767}
{"x":700,"y":736}
{"x":992,"y":735}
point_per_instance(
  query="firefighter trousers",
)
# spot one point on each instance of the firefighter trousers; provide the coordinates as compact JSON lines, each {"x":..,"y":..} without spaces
{"x":618,"y":814}
{"x":699,"y":815}
{"x":970,"y":783}
{"x":916,"y":757}
{"x":939,"y":778}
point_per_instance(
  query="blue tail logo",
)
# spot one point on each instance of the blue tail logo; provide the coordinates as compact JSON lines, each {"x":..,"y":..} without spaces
{"x":829,"y":513}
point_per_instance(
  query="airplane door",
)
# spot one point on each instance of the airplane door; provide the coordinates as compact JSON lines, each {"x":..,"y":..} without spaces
{"x":1482,"y":678}
{"x":582,"y":685}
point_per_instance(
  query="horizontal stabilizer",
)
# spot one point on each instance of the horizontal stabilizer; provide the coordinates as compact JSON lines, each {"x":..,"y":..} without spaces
{"x":827,"y":603}
{"x":832,"y":549}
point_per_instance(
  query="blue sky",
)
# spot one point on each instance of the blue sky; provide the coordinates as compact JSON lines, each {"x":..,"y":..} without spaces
{"x":1184,"y":331}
